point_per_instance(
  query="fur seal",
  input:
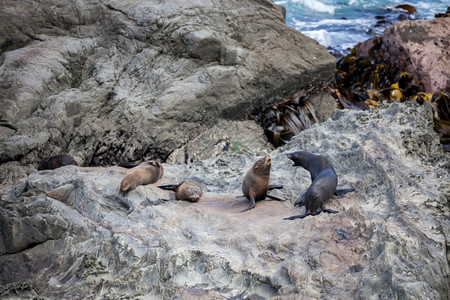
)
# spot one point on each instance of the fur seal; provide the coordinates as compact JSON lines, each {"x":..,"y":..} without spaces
{"x":256,"y":182}
{"x":53,"y":162}
{"x":128,"y":165}
{"x":185,"y":190}
{"x":323,"y":186}
{"x":145,"y":173}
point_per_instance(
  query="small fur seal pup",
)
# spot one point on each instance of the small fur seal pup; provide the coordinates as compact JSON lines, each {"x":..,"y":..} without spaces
{"x":323,"y":186}
{"x":256,"y":182}
{"x":145,"y":173}
{"x":185,"y":190}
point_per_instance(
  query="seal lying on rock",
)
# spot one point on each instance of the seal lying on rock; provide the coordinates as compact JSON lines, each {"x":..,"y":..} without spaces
{"x":323,"y":186}
{"x":145,"y":173}
{"x":53,"y":162}
{"x":185,"y":190}
{"x":256,"y":182}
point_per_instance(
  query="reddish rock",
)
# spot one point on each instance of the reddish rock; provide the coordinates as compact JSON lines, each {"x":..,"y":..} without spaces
{"x":420,"y":47}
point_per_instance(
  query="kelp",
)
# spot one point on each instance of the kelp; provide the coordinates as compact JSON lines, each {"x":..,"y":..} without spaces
{"x":284,"y":118}
{"x":362,"y":82}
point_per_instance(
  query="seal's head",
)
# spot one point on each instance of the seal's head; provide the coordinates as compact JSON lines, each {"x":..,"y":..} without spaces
{"x":262,"y":165}
{"x":126,"y":185}
{"x":300,"y":158}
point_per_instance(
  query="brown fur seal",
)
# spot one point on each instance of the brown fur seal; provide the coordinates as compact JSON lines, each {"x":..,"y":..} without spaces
{"x":256,"y":182}
{"x":53,"y":162}
{"x":323,"y":186}
{"x":145,"y":173}
{"x":185,"y":190}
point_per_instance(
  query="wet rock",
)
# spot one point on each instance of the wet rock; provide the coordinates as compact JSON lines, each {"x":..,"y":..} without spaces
{"x":389,"y":239}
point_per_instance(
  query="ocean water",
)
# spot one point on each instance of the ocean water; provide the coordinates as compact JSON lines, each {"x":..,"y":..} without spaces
{"x":341,"y":24}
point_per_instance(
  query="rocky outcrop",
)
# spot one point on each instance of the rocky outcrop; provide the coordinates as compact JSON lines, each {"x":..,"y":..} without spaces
{"x":420,"y":47}
{"x":79,"y":238}
{"x":109,"y":81}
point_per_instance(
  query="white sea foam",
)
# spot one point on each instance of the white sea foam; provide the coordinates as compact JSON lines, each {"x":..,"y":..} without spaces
{"x":334,"y":22}
{"x":281,"y":2}
{"x":338,"y":40}
{"x":344,"y":23}
{"x":316,"y":6}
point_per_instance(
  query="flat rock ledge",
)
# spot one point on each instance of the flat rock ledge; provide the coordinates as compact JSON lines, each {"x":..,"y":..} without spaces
{"x":68,"y":233}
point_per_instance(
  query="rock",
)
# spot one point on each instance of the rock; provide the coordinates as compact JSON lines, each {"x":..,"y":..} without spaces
{"x":111,"y":81}
{"x":225,"y":136}
{"x":419,"y":47}
{"x":389,"y":239}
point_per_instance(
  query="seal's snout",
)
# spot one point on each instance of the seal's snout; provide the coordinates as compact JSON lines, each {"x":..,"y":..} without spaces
{"x":292,"y":157}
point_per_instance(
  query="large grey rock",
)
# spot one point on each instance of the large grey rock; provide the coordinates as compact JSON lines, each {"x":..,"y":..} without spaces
{"x":68,"y":233}
{"x":110,"y":81}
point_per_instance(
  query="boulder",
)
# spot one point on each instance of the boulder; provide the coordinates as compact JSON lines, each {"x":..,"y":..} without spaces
{"x":69,"y":233}
{"x":420,"y":47}
{"x":112,"y":81}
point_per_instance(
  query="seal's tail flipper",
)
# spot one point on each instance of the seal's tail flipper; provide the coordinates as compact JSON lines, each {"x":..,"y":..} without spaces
{"x":169,"y":187}
{"x":343,"y":191}
{"x":300,"y":201}
{"x":330,"y":211}
{"x":275,"y":187}
{"x":129,"y":165}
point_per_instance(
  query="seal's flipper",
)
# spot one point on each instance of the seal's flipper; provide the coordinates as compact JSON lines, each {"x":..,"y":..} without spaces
{"x":252,"y":204}
{"x":307,"y":213}
{"x":275,"y":198}
{"x":330,"y":211}
{"x":300,"y":201}
{"x":128,"y":165}
{"x":343,"y":191}
{"x":274,"y":187}
{"x":169,"y":187}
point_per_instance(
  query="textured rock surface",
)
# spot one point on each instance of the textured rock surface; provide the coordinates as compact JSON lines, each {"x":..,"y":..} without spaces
{"x":420,"y":47}
{"x":77,"y":240}
{"x":110,"y":81}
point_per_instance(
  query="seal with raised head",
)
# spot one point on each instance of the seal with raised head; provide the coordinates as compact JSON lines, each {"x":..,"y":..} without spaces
{"x":323,"y":186}
{"x":145,"y":173}
{"x":185,"y":190}
{"x":53,"y":162}
{"x":256,"y":182}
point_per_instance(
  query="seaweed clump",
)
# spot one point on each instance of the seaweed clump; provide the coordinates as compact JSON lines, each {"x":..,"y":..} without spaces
{"x":362,"y":82}
{"x":284,"y":118}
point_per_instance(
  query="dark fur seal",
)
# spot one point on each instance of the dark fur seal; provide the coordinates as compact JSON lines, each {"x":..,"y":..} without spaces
{"x":323,"y":186}
{"x":145,"y":173}
{"x":53,"y":162}
{"x":185,"y":190}
{"x":128,"y":165}
{"x":256,"y":182}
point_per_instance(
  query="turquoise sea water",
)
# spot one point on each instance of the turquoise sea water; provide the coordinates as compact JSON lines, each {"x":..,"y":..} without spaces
{"x":341,"y":24}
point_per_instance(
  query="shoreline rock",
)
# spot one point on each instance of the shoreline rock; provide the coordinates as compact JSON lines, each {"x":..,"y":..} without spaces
{"x":420,"y":47}
{"x":395,"y":225}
